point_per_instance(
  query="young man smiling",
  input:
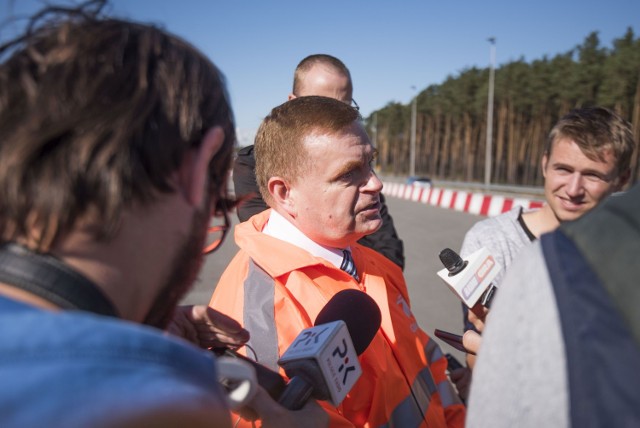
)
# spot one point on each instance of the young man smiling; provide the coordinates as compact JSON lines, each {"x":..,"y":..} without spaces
{"x":586,"y":159}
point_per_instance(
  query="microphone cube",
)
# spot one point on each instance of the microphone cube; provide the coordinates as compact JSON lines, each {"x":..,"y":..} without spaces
{"x":329,"y":347}
{"x":471,"y":282}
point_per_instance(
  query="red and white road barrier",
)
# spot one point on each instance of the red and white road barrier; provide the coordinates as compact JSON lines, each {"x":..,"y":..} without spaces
{"x":459,"y":200}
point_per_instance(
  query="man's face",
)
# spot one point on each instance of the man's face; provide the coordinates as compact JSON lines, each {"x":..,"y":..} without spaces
{"x":325,"y":81}
{"x":337,"y":199}
{"x":575,"y":184}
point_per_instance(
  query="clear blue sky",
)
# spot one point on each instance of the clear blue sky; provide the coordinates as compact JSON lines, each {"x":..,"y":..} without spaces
{"x":388,"y":45}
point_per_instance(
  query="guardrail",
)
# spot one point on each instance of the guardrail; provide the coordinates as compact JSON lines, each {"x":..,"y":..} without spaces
{"x":493,"y":188}
{"x":478,"y":203}
{"x":528,"y":191}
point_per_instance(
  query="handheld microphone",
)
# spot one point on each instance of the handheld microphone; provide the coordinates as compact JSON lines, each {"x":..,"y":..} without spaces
{"x":470,"y":279}
{"x":323,"y":360}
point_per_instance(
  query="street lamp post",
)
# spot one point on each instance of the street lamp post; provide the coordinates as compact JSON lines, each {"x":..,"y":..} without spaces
{"x":489,"y":145}
{"x":412,"y":164}
{"x":374,"y":127}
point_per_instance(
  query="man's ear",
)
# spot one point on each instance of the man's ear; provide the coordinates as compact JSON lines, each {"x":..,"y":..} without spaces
{"x":194,"y":171}
{"x":281,"y":194}
{"x":543,"y":164}
{"x":291,"y":96}
{"x":623,"y":179}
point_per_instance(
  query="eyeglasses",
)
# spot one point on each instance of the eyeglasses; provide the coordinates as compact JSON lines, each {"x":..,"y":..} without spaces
{"x":218,"y":231}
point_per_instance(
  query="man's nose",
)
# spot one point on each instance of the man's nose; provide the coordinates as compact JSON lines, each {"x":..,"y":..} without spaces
{"x":575,"y":185}
{"x":373,"y":184}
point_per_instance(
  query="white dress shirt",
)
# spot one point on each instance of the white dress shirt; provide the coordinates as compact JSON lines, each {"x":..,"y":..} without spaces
{"x":281,"y":228}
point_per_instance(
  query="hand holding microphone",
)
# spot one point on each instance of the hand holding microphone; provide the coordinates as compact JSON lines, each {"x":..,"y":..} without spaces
{"x":471,"y":280}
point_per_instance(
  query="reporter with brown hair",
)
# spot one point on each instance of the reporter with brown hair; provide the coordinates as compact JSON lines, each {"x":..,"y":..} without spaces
{"x":115,"y":146}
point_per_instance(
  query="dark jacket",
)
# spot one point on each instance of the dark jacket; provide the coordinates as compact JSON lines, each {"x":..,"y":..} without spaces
{"x":593,"y":266}
{"x":385,"y":240}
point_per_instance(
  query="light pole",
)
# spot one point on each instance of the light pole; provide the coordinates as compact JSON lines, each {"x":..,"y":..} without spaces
{"x":374,"y":125}
{"x":412,"y":164}
{"x":489,"y":145}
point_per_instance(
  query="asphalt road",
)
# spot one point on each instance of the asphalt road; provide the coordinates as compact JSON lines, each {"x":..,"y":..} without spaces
{"x":425,"y":230}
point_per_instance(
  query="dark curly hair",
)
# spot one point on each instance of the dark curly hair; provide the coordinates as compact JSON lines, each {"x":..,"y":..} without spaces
{"x":95,"y":113}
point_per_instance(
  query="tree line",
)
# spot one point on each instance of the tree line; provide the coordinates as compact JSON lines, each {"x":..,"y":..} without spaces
{"x":528,"y":99}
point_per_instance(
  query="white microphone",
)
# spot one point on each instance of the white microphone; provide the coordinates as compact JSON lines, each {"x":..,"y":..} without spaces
{"x":470,"y":279}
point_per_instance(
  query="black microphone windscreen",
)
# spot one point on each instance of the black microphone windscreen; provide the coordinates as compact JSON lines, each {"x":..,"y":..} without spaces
{"x":452,"y":261}
{"x":360,"y":313}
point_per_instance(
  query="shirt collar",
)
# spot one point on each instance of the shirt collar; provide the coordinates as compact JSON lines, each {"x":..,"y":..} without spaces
{"x":281,"y":228}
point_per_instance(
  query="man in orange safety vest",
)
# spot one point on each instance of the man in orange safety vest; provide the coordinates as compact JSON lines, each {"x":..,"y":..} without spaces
{"x":314,"y":167}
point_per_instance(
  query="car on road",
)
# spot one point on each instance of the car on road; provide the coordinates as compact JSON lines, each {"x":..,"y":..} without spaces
{"x":419,"y":181}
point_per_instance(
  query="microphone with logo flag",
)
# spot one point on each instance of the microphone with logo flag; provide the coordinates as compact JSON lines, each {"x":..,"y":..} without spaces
{"x":470,"y":279}
{"x":322,"y":362}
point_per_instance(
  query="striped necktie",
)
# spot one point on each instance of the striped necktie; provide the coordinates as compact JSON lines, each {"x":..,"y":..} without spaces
{"x":348,"y":265}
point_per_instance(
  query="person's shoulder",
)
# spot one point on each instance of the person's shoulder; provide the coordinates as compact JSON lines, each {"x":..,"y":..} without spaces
{"x":102,"y":333}
{"x":245,"y":157}
{"x":118,"y":367}
{"x":498,"y":233}
{"x":94,"y":340}
{"x":497,"y":223}
{"x":246,"y":151}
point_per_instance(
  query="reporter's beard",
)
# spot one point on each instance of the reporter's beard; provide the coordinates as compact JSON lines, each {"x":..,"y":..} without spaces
{"x":184,"y":272}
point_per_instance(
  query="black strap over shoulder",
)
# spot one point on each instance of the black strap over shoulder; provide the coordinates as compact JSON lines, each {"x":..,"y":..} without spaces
{"x":49,"y":278}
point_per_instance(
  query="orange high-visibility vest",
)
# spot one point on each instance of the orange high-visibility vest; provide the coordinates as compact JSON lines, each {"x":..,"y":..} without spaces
{"x":276,"y":289}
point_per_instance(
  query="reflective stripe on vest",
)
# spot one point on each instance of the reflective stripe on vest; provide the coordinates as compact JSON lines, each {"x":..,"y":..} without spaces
{"x":258,"y":317}
{"x":448,"y":395}
{"x":412,"y":410}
